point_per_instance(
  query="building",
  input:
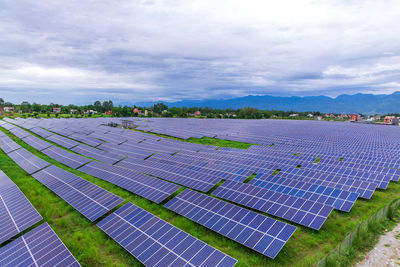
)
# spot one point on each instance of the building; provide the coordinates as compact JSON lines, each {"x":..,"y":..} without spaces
{"x":310,"y":115}
{"x":72,"y":111}
{"x":146,"y":112}
{"x":197,"y":113}
{"x":138,"y":111}
{"x":391,"y":120}
{"x":354,"y":117}
{"x":294,"y":115}
{"x":1,"y":110}
{"x":377,"y":117}
{"x":108,"y":112}
{"x":8,"y":109}
{"x":343,"y":116}
{"x":56,"y":110}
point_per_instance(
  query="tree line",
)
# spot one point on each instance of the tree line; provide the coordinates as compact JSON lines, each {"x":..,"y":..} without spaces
{"x":159,"y":109}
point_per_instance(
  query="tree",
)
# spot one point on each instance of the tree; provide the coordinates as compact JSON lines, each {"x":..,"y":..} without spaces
{"x":97,"y":106}
{"x":25,"y":106}
{"x":108,"y":105}
{"x":1,"y":102}
{"x":159,"y":108}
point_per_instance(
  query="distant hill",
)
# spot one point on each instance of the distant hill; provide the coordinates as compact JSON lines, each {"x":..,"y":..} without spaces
{"x":358,"y":103}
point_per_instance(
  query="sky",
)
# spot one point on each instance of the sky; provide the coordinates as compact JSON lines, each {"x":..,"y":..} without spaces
{"x":134,"y":51}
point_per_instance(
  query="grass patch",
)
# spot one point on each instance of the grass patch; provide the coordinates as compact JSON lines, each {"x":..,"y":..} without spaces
{"x":317,"y":160}
{"x":94,"y":248}
{"x":209,"y":141}
{"x":251,"y":177}
{"x":364,"y":242}
{"x":276,"y":172}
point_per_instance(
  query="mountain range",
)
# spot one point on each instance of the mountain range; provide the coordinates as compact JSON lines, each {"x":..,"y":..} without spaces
{"x":358,"y":103}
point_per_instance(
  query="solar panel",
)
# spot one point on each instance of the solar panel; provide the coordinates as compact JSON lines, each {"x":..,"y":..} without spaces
{"x":97,"y":154}
{"x":27,"y":161}
{"x":263,"y":234}
{"x":291,"y":208}
{"x":16,"y":212}
{"x":143,"y":185}
{"x":199,"y":182}
{"x":86,"y":139}
{"x":65,"y":157}
{"x":339,"y":199}
{"x":62,"y":141}
{"x":89,"y":199}
{"x":155,"y":242}
{"x":18,"y":132}
{"x":8,"y":126}
{"x":37,"y":143}
{"x":41,"y":132}
{"x":8,"y":145}
{"x":39,"y":247}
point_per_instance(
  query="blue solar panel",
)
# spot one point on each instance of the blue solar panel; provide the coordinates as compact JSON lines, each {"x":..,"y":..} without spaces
{"x":39,"y":247}
{"x":298,"y":210}
{"x":16,"y":212}
{"x":36,"y":143}
{"x":8,"y":145}
{"x":62,"y":141}
{"x":197,"y":181}
{"x":65,"y":157}
{"x":146,"y":186}
{"x":155,"y":242}
{"x":41,"y":132}
{"x":258,"y":232}
{"x":89,"y":199}
{"x":18,"y":132}
{"x":339,"y":199}
{"x":98,"y":154}
{"x":27,"y":161}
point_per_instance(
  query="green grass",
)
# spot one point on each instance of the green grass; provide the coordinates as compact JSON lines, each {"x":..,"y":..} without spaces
{"x":206,"y":141}
{"x":94,"y":248}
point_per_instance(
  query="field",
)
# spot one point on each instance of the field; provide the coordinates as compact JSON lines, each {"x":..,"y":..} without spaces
{"x":92,"y":247}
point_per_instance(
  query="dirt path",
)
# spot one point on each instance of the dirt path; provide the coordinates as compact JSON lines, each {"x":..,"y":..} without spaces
{"x":386,"y":252}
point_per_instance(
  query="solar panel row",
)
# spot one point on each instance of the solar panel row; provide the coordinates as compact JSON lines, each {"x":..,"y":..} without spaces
{"x":39,"y":247}
{"x":199,"y":182}
{"x":65,"y":157}
{"x":291,"y":208}
{"x":36,"y":143}
{"x":62,"y":141}
{"x":155,"y":242}
{"x":8,"y":145}
{"x":87,"y":198}
{"x":27,"y":161}
{"x":263,"y":234}
{"x":146,"y":186}
{"x":98,"y":154}
{"x":16,"y":212}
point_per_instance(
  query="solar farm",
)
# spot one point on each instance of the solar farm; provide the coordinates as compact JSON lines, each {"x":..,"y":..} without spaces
{"x":267,"y":193}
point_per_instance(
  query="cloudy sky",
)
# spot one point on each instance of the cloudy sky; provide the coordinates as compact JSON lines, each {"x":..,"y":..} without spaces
{"x":136,"y":50}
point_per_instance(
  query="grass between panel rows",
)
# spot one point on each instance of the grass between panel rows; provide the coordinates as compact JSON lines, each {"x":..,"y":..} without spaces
{"x":92,"y":247}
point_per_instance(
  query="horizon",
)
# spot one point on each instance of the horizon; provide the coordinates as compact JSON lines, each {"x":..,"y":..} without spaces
{"x":146,"y":51}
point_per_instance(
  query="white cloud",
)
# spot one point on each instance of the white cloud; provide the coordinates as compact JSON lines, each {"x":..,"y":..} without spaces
{"x":147,"y":50}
